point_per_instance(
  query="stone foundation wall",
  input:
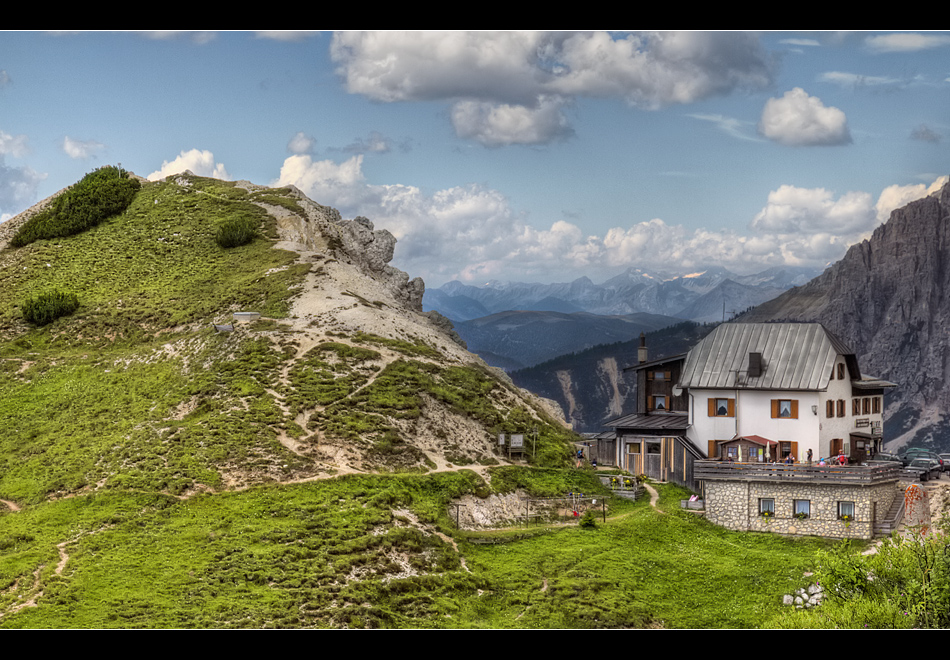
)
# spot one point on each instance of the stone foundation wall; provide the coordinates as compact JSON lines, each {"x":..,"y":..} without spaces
{"x":735,"y":505}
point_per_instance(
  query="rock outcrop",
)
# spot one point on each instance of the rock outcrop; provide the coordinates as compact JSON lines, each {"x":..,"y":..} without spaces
{"x":356,"y":241}
{"x":889,"y":299}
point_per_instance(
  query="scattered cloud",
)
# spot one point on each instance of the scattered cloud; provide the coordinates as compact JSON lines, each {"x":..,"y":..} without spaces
{"x":301,"y":143}
{"x":800,"y":42}
{"x":5,"y":78}
{"x":471,"y":233}
{"x":496,"y":125}
{"x":341,"y":186}
{"x":510,"y":87}
{"x":798,"y":119}
{"x":18,"y":187}
{"x":736,"y":128}
{"x":894,"y":197}
{"x":376,"y":143}
{"x":906,"y":42}
{"x":287,"y":35}
{"x":793,"y":210}
{"x":13,"y":145}
{"x":845,"y":79}
{"x":925,"y":134}
{"x":81,"y":149}
{"x":198,"y":162}
{"x":198,"y":37}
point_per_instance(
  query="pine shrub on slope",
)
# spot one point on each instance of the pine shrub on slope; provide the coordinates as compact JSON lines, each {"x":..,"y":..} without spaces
{"x":97,"y":196}
{"x":47,"y":307}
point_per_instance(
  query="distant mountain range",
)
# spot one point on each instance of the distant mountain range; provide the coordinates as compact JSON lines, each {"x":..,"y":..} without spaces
{"x":514,"y":325}
{"x":512,"y":340}
{"x":703,"y":297}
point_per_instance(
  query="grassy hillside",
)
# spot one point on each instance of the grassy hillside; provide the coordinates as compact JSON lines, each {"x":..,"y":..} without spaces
{"x":379,"y":551}
{"x":300,"y":471}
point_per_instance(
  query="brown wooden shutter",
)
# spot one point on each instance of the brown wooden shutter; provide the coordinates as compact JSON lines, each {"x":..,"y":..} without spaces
{"x":794,"y":414}
{"x":795,"y":450}
{"x":774,"y":408}
{"x":732,"y":407}
{"x":712,"y":407}
{"x":712,"y":452}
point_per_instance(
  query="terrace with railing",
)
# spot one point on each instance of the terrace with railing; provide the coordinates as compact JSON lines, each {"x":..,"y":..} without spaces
{"x":864,"y":475}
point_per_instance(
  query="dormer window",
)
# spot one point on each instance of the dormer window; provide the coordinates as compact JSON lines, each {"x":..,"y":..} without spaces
{"x":755,"y":365}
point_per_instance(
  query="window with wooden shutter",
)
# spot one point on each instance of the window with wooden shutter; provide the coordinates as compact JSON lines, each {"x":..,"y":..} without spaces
{"x":856,"y":406}
{"x":841,"y":371}
{"x":877,"y":405}
{"x":722,"y":407}
{"x":840,"y":407}
{"x":866,"y":402}
{"x":829,"y":408}
{"x":784,"y":409}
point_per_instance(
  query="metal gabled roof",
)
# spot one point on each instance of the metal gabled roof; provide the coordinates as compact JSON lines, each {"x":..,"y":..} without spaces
{"x":795,"y":356}
{"x":653,"y":420}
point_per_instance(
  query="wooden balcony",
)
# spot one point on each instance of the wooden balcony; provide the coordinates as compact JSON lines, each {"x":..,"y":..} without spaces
{"x":863,"y":475}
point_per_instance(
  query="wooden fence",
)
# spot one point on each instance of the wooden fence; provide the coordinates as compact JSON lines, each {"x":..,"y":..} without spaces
{"x":828,"y":474}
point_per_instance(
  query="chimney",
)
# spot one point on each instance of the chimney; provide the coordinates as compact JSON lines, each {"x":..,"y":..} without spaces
{"x":642,"y":351}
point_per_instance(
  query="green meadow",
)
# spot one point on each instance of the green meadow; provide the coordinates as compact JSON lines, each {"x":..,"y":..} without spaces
{"x":147,"y":482}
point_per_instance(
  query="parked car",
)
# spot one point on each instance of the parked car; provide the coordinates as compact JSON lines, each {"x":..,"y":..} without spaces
{"x":882,"y":456}
{"x":946,"y":462}
{"x":920,"y":452}
{"x":925,"y":468}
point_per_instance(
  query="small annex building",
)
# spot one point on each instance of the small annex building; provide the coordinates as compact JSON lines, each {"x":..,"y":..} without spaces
{"x":652,"y":441}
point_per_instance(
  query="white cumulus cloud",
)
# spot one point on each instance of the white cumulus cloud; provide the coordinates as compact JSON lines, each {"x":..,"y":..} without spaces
{"x":471,"y":233}
{"x":197,"y":161}
{"x":502,"y":124}
{"x":81,"y":149}
{"x":509,"y":87}
{"x":13,"y":145}
{"x":798,"y":119}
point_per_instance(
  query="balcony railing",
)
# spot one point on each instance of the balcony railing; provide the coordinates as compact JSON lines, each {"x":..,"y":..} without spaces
{"x":828,"y":474}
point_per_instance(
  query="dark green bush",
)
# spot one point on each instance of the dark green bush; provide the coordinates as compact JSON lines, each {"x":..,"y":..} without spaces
{"x":236,"y":231}
{"x":97,"y":196}
{"x":47,"y":307}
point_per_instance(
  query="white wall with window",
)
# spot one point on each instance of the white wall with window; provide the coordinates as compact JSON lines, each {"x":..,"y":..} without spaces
{"x":778,"y":415}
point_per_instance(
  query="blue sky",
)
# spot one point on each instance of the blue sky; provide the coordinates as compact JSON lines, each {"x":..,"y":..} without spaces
{"x":528,"y":156}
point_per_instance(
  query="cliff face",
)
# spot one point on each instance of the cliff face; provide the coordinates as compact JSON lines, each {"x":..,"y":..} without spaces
{"x":889,"y":298}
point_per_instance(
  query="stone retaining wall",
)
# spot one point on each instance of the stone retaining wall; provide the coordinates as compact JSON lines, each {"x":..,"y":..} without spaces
{"x":735,"y":505}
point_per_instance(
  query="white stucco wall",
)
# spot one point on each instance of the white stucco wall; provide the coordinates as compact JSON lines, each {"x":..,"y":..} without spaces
{"x":811,"y":430}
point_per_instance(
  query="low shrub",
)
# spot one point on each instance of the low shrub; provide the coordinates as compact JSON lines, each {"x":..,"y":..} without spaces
{"x":47,"y":307}
{"x":235,"y":232}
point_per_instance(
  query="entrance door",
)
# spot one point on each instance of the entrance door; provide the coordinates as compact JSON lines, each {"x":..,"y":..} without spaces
{"x":837,"y":444}
{"x":859,"y":449}
{"x":652,"y":465}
